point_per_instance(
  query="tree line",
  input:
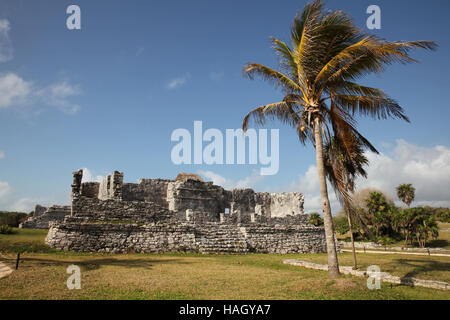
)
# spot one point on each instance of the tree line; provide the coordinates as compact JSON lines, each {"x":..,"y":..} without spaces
{"x":376,"y":218}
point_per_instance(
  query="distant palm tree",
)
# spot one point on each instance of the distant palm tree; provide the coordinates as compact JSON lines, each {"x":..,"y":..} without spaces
{"x":315,"y":219}
{"x":406,"y":193}
{"x":317,"y":73}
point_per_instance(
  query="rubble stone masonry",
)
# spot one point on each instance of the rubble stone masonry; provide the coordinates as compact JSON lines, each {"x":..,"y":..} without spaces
{"x":183,"y":215}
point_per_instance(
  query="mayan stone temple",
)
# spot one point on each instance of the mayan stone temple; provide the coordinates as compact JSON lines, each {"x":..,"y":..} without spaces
{"x":183,"y":215}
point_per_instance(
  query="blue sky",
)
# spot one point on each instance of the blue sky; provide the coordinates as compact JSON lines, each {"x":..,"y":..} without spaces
{"x":107,"y":97}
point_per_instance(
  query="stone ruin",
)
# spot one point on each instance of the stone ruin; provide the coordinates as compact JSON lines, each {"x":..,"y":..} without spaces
{"x":43,"y":216}
{"x":182,"y":215}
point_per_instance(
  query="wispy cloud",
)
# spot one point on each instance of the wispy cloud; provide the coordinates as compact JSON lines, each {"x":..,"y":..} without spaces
{"x":57,"y":95}
{"x":28,"y":204}
{"x":426,"y":168}
{"x":6,"y":50}
{"x":308,"y":184}
{"x":15,"y":91}
{"x":9,"y":200}
{"x":2,"y":154}
{"x":5,"y":190}
{"x":89,"y":177}
{"x":178,"y":82}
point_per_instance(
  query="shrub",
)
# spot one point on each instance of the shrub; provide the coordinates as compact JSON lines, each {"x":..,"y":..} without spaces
{"x":385,"y":240}
{"x":5,"y":229}
{"x":341,"y":224}
{"x":315,"y":219}
{"x":13,"y":219}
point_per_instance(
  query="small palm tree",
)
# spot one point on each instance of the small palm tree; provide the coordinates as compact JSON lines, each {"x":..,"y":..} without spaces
{"x":342,"y":171}
{"x":315,"y":219}
{"x":406,"y":193}
{"x":407,"y":219}
{"x":317,"y":74}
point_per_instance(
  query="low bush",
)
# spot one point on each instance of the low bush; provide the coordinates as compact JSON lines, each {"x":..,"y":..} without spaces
{"x":5,"y":229}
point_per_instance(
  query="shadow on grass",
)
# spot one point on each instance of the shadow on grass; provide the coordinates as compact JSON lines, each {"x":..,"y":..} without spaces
{"x":96,"y":263}
{"x":439,"y":243}
{"x":422,"y":266}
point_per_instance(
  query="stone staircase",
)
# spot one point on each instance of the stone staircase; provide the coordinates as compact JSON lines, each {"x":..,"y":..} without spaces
{"x":222,"y":239}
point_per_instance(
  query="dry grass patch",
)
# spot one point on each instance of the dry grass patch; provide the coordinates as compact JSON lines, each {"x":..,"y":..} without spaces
{"x":422,"y":267}
{"x":191,"y":276}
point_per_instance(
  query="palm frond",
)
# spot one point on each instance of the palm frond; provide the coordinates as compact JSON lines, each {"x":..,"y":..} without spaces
{"x":379,"y":107}
{"x":288,"y":59}
{"x":304,"y":33}
{"x":283,"y":111}
{"x":369,"y":55}
{"x":276,"y":77}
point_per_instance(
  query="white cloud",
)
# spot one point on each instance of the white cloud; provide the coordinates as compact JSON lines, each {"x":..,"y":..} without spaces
{"x":308,"y":184}
{"x":426,"y":168}
{"x":248,"y":182}
{"x":5,"y":190}
{"x":13,"y":90}
{"x":89,"y":177}
{"x":10,"y":202}
{"x":178,"y":82}
{"x":2,"y":154}
{"x":6,"y":50}
{"x":58,"y":94}
{"x":28,"y":204}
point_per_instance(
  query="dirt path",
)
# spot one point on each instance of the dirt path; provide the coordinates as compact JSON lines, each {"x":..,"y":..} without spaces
{"x":397,"y":252}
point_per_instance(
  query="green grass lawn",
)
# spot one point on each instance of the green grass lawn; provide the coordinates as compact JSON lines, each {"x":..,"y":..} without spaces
{"x":42,"y":275}
{"x":30,"y":240}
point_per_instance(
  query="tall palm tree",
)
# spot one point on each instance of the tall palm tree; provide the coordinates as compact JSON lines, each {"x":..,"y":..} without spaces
{"x":317,"y":73}
{"x":406,"y":193}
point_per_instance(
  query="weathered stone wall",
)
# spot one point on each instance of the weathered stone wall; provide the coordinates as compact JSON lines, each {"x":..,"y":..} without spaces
{"x":90,"y":189}
{"x":39,"y":210}
{"x":266,"y":204}
{"x":283,"y":204}
{"x":193,"y":194}
{"x":154,"y":190}
{"x":209,"y":237}
{"x":159,"y":215}
{"x":43,"y":219}
{"x":111,"y":187}
{"x":284,"y":238}
{"x":118,"y":210}
{"x":242,"y":200}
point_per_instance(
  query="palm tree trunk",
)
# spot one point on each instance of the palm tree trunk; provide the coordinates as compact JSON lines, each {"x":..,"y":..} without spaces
{"x":333,"y":266}
{"x":355,"y":266}
{"x":406,"y":240}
